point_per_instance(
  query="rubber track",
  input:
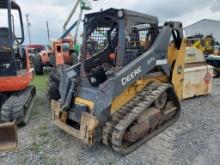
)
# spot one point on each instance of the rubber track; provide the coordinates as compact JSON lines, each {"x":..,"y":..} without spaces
{"x":17,"y":105}
{"x":108,"y":127}
{"x":114,"y":130}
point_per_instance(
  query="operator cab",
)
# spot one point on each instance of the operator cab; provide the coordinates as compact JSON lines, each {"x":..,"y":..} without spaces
{"x":12,"y":54}
{"x":111,"y":41}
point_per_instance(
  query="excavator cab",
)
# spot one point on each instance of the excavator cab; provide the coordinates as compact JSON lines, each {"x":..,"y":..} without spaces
{"x":13,"y":63}
{"x":12,"y":54}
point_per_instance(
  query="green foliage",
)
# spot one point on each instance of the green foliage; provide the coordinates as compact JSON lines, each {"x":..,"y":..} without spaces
{"x":40,"y":82}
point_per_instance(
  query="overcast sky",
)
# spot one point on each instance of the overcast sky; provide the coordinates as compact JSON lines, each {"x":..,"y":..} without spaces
{"x":56,"y":12}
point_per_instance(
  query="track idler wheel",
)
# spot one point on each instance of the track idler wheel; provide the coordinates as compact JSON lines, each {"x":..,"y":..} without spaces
{"x":161,"y":101}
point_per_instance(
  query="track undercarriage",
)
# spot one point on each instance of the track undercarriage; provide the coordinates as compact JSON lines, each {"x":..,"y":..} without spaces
{"x":146,"y":115}
{"x":17,"y":106}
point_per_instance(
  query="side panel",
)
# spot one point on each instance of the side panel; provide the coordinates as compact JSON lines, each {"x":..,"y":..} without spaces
{"x":133,"y":90}
{"x":10,"y":84}
{"x":197,"y":81}
{"x":177,"y":61}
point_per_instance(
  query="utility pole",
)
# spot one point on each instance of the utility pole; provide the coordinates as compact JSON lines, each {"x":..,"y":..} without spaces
{"x":48,"y":32}
{"x":28,"y":27}
{"x":77,"y":26}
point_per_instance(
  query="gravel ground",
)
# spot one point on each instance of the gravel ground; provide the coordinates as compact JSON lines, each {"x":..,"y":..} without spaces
{"x":194,"y":139}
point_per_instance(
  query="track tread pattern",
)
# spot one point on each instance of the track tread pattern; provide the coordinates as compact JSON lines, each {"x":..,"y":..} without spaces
{"x":17,"y":105}
{"x":115,"y":128}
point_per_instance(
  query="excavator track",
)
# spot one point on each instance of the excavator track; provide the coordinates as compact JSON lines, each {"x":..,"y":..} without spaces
{"x":116,"y":130}
{"x":18,"y":106}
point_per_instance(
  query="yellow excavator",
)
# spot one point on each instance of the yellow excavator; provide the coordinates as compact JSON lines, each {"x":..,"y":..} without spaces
{"x":201,"y":42}
{"x":205,"y":46}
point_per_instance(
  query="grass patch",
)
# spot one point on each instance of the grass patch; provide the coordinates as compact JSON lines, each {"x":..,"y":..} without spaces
{"x":41,"y":102}
{"x":40,"y":82}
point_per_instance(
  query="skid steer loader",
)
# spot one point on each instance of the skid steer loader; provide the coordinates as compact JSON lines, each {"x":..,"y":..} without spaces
{"x":125,"y":91}
{"x":16,"y":94}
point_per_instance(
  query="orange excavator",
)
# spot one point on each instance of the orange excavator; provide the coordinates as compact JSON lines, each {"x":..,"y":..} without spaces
{"x":16,"y":94}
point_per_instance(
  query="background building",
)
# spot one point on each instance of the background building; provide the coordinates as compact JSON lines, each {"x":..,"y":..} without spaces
{"x":205,"y":27}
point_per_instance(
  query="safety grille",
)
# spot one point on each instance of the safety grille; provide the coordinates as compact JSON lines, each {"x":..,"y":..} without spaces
{"x":97,"y":41}
{"x":138,"y":40}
